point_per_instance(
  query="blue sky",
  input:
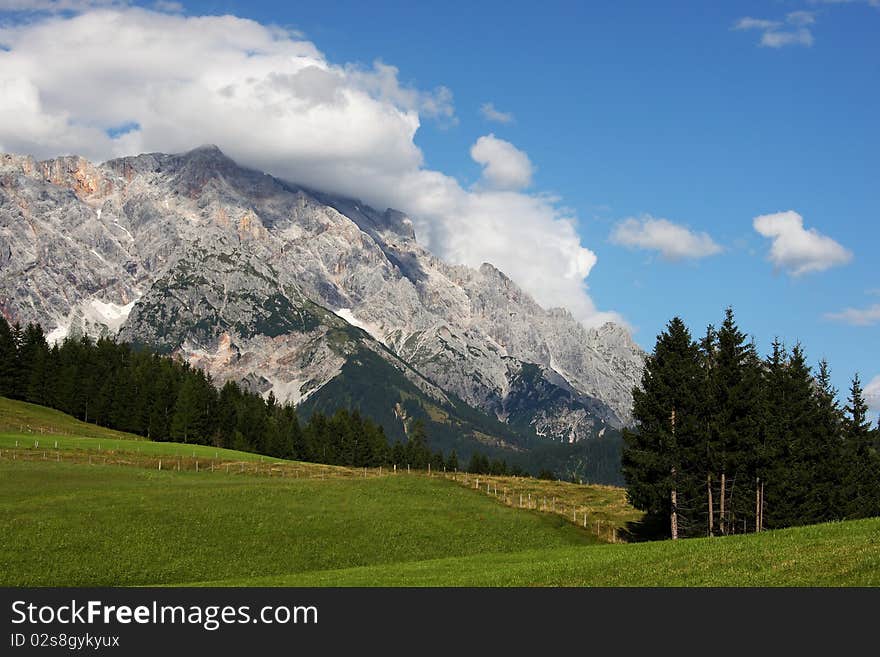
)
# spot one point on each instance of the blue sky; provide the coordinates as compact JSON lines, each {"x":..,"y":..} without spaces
{"x":632,"y":110}
{"x":662,"y":108}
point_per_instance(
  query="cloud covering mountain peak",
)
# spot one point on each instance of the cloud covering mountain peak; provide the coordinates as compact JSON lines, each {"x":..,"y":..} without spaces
{"x":105,"y":82}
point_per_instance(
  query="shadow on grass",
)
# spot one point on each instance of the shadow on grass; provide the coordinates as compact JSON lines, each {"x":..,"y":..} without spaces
{"x":649,"y":528}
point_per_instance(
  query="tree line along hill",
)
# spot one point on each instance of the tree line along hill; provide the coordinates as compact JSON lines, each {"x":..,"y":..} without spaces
{"x":727,"y":442}
{"x":162,"y":398}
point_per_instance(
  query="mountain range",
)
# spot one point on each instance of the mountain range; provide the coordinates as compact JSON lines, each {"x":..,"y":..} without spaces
{"x":317,"y":299}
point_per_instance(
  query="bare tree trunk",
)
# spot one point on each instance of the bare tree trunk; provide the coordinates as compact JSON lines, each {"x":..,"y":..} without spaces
{"x":757,"y":504}
{"x":673,"y":496}
{"x":762,"y":506}
{"x":711,"y":505}
{"x":721,"y":523}
{"x":673,"y":520}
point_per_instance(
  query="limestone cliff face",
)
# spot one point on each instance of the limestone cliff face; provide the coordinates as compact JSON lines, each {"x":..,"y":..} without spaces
{"x":252,"y":277}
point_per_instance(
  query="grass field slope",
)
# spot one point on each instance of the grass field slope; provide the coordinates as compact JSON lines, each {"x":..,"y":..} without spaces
{"x":86,"y":507}
{"x":70,"y":524}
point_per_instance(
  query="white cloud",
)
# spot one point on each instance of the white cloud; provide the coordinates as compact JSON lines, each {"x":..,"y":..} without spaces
{"x":782,"y":38}
{"x":57,"y":5}
{"x":490,"y":113}
{"x":749,"y":23}
{"x":168,"y":6}
{"x":673,"y":241}
{"x":871,"y":3}
{"x":793,"y":31}
{"x":801,"y":17}
{"x":872,"y":393}
{"x":796,"y":249}
{"x":857,"y":316}
{"x":272,"y":101}
{"x":504,"y":165}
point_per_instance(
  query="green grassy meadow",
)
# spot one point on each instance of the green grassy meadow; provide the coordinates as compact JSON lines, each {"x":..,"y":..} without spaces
{"x":834,"y":554}
{"x":96,"y":511}
{"x":74,"y":525}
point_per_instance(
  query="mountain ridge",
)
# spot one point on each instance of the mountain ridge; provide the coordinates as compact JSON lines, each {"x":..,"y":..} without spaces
{"x":103,"y":248}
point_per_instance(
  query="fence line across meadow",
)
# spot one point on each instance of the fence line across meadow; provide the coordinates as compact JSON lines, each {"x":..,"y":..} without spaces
{"x":508,"y":493}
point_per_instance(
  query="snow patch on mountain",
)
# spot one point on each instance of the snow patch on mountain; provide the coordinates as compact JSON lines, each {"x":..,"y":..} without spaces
{"x":372,"y":330}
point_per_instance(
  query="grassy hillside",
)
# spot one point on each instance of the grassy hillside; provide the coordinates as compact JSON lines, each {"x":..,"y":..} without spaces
{"x":836,"y":554}
{"x":33,"y":427}
{"x":126,"y":447}
{"x":67,"y":519}
{"x":17,"y":417}
{"x":607,"y":512}
{"x":69,"y":524}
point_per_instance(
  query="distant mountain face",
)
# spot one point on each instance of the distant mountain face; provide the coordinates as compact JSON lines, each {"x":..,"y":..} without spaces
{"x":262,"y":281}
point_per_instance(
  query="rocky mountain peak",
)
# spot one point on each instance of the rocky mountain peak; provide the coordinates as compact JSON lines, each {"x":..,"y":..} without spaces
{"x":252,"y":278}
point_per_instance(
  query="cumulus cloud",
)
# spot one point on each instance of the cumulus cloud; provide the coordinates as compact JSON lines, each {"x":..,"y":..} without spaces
{"x":490,"y":113}
{"x":793,"y":31}
{"x":57,"y":5}
{"x":749,"y":23}
{"x":504,"y":165}
{"x":673,"y":241}
{"x":872,"y":393}
{"x":796,"y":249}
{"x":111,"y":82}
{"x":871,"y":3}
{"x":800,"y":18}
{"x":857,"y":316}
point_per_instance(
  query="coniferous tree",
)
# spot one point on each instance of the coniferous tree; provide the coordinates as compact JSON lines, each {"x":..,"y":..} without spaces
{"x":8,"y":359}
{"x":40,"y":385}
{"x":185,"y":421}
{"x":789,"y":481}
{"x":704,"y":456}
{"x":772,"y":453}
{"x":821,"y":458}
{"x":863,"y":471}
{"x":856,"y":423}
{"x":667,"y":409}
{"x":31,"y":346}
{"x":227,"y":414}
{"x":736,"y":419}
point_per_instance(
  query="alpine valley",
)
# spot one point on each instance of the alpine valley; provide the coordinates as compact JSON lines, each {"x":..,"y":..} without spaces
{"x":320,"y":300}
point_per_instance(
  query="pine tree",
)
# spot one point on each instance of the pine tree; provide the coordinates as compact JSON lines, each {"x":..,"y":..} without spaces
{"x":32,"y":346}
{"x":822,"y":463}
{"x":452,"y":461}
{"x":667,"y":409}
{"x":792,"y":419}
{"x":772,"y":452}
{"x":186,"y":411}
{"x":419,"y":454}
{"x":863,"y":463}
{"x":856,"y":423}
{"x":705,"y":458}
{"x":41,"y":383}
{"x":8,"y":359}
{"x":227,"y":413}
{"x":735,"y":418}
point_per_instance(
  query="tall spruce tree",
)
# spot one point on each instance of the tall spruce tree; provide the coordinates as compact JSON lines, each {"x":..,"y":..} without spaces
{"x":667,"y":408}
{"x":186,"y":419}
{"x":863,"y":462}
{"x":856,"y":423}
{"x":821,"y":459}
{"x":8,"y":359}
{"x":31,"y":346}
{"x":736,"y":419}
{"x":706,"y":457}
{"x":790,"y":477}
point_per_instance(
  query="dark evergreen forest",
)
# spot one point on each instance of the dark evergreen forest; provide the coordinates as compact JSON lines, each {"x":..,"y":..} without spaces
{"x":728,"y":442}
{"x":163,"y":398}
